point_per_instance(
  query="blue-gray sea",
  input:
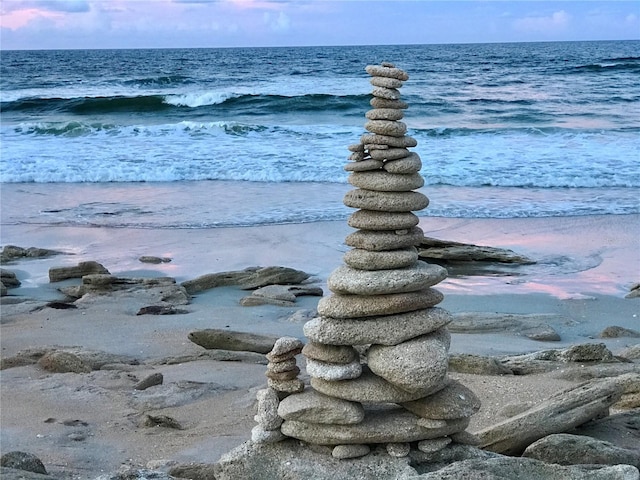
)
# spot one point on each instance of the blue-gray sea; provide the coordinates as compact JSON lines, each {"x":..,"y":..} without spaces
{"x":196,"y":138}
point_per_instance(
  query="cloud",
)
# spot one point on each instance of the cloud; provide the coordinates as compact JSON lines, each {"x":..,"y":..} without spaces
{"x":280,"y":23}
{"x":555,"y":22}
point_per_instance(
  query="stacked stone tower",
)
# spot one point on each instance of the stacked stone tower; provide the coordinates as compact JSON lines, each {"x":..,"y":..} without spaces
{"x":378,"y":351}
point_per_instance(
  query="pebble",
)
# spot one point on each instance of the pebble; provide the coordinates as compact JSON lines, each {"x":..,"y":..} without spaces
{"x":350,"y":451}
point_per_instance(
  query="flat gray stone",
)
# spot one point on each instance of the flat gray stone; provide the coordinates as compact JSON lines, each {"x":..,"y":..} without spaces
{"x":364,"y":166}
{"x":384,"y":240}
{"x":378,"y":102}
{"x":389,"y":72}
{"x":375,"y":220}
{"x":418,"y":365}
{"x":314,"y":407}
{"x":386,"y":82}
{"x":386,"y":201}
{"x":399,"y":142}
{"x":330,"y":353}
{"x":386,"y":127}
{"x":385,"y":114}
{"x":453,"y":401}
{"x":433,"y":445}
{"x":334,"y":371}
{"x":393,"y":425}
{"x":383,"y":330}
{"x":533,"y":326}
{"x":386,"y":93}
{"x":358,"y":306}
{"x":383,"y":260}
{"x":347,"y":280}
{"x":381,"y":181}
{"x":367,"y":388}
{"x":389,"y":153}
{"x":407,"y":165}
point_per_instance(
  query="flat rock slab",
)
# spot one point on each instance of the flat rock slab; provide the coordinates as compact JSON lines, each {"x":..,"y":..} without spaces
{"x":383,"y":330}
{"x":57,"y":274}
{"x":213,"y":338}
{"x":533,"y":326}
{"x":381,"y":426}
{"x":562,"y":412}
{"x":248,"y":279}
{"x":383,"y":181}
{"x":347,"y":280}
{"x":434,"y":249}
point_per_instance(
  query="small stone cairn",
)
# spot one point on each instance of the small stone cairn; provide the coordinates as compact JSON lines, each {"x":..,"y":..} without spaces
{"x":378,"y":351}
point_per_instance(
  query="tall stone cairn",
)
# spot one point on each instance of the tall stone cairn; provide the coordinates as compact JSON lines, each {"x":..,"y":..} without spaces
{"x":378,"y":350}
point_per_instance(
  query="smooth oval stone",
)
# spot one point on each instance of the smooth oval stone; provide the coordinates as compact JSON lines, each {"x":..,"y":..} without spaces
{"x":375,"y":220}
{"x":377,"y":102}
{"x":386,"y":127}
{"x":344,"y":452}
{"x":389,"y":153}
{"x":383,"y":330}
{"x":386,"y":82}
{"x":406,"y":165}
{"x":384,"y":240}
{"x":367,"y":388}
{"x":390,"y":72}
{"x":359,"y":306}
{"x":315,"y":407}
{"x":418,"y":365}
{"x":330,"y":353}
{"x":384,"y":114}
{"x":399,"y":142}
{"x":356,"y":147}
{"x":453,"y":401}
{"x":333,"y":371}
{"x":384,"y":260}
{"x":347,"y":280}
{"x":364,"y":166}
{"x":380,"y":181}
{"x":386,"y":201}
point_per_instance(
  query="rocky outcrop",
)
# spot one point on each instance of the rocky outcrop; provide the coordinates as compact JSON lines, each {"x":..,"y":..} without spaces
{"x":11,"y":253}
{"x":248,"y":279}
{"x":533,"y":326}
{"x":57,"y":274}
{"x":432,"y":249}
{"x":213,"y":338}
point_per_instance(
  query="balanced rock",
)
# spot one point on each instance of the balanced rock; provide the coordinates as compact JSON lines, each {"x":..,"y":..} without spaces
{"x":383,"y":330}
{"x":379,"y":102}
{"x":398,"y":142}
{"x":334,"y":371}
{"x":385,"y":114}
{"x":364,"y":166}
{"x":386,"y":71}
{"x":376,"y":220}
{"x":330,"y":353}
{"x":367,"y":388}
{"x":382,"y":181}
{"x":357,"y":306}
{"x":386,"y":93}
{"x":386,"y":201}
{"x":267,"y":409}
{"x":379,"y":426}
{"x":384,"y":240}
{"x":347,"y":280}
{"x":418,"y":365}
{"x":381,"y":260}
{"x":407,"y":165}
{"x":314,"y":407}
{"x":389,"y":153}
{"x":386,"y":82}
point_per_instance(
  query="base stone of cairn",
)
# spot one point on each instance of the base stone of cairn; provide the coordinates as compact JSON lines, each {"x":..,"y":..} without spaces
{"x":377,"y":354}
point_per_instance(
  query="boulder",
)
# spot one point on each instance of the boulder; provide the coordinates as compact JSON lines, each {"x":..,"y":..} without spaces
{"x":418,"y":365}
{"x":23,"y":461}
{"x":213,"y":338}
{"x":615,"y":331}
{"x":57,"y":274}
{"x":567,"y":449}
{"x":8,"y":278}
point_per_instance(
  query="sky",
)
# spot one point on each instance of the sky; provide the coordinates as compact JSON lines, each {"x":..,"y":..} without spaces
{"x":62,"y":24}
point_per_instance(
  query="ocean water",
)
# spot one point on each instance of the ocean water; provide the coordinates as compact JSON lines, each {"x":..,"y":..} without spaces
{"x":195,"y":138}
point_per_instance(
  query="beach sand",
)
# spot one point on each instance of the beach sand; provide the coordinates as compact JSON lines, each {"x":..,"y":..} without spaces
{"x":83,"y":425}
